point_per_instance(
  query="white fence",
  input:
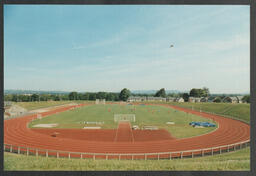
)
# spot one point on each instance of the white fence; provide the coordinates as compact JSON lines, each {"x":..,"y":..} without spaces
{"x":131,"y":156}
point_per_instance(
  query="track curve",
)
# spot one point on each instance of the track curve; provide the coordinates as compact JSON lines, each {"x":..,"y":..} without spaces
{"x":230,"y":131}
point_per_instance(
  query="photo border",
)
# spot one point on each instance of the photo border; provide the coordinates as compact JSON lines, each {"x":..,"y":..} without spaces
{"x":251,"y":3}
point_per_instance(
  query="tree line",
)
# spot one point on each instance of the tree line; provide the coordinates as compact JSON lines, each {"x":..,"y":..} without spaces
{"x":108,"y":96}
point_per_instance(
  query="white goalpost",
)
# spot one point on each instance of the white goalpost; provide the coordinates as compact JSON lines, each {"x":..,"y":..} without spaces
{"x":100,"y":101}
{"x":124,"y":117}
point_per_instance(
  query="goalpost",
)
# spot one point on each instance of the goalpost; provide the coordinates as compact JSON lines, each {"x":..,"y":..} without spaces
{"x":100,"y":101}
{"x":124,"y":117}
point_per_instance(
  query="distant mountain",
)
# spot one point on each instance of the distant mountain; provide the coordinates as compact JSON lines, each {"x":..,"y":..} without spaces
{"x":11,"y":91}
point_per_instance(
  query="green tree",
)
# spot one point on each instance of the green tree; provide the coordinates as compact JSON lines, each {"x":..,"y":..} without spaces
{"x":34,"y":97}
{"x":246,"y":99}
{"x":160,"y":93}
{"x":101,"y":95}
{"x":185,"y":96}
{"x":110,"y":97}
{"x":217,"y":100}
{"x":124,"y":94}
{"x":73,"y":96}
{"x":92,"y":96}
{"x":206,"y":92}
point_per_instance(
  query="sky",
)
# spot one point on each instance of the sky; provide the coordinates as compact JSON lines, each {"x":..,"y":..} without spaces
{"x":108,"y":47}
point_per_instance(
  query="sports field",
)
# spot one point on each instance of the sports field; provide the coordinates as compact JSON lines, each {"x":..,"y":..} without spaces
{"x":146,"y":115}
{"x":238,"y":160}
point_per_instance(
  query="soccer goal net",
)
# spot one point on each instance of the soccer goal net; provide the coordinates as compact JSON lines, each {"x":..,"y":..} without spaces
{"x":124,"y":117}
{"x":100,"y":101}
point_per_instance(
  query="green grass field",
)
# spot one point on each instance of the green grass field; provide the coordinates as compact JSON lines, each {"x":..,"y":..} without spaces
{"x":238,"y":111}
{"x":45,"y":104}
{"x":145,"y":115}
{"x":238,"y":161}
{"x":235,"y":161}
{"x":42,"y":104}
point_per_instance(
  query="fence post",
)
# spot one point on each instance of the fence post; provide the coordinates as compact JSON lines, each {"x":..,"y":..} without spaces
{"x":93,"y":156}
{"x":170,"y":156}
{"x":46,"y":153}
{"x":212,"y":151}
{"x":81,"y":156}
{"x":192,"y":154}
{"x":11,"y":149}
{"x":234,"y":147}
{"x":18,"y":150}
{"x":220,"y":150}
{"x":4,"y":147}
{"x":27,"y":151}
{"x":181,"y":155}
{"x":57,"y":154}
{"x":106,"y":156}
{"x":202,"y":152}
{"x":158,"y":156}
{"x":132,"y":156}
{"x":68,"y":155}
{"x":228,"y":148}
{"x":145,"y":157}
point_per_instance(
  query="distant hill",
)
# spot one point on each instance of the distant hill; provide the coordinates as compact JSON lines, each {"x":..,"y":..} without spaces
{"x":11,"y":91}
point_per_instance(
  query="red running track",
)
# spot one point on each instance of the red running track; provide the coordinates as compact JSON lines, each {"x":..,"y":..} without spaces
{"x":230,"y":131}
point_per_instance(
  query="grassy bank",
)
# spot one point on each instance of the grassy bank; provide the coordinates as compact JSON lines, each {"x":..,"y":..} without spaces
{"x":239,"y":160}
{"x":238,"y":111}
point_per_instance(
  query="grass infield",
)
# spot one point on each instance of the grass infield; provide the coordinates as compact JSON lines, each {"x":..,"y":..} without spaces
{"x":146,"y":115}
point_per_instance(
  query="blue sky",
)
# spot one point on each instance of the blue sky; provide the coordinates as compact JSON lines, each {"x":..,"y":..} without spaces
{"x":107,"y":48}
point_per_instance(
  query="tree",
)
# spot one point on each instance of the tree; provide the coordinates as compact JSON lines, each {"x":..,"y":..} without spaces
{"x":34,"y":97}
{"x":124,"y":94}
{"x":73,"y":96}
{"x":101,"y":95}
{"x":246,"y":99}
{"x":206,"y":91}
{"x":185,"y":96}
{"x":92,"y":96}
{"x":110,"y":97}
{"x":160,"y":93}
{"x":217,"y":100}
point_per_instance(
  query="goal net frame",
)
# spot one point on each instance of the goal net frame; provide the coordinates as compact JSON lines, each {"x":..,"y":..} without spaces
{"x":124,"y":117}
{"x":100,"y":101}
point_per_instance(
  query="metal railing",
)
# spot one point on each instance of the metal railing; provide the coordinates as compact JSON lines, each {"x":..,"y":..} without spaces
{"x":130,"y":156}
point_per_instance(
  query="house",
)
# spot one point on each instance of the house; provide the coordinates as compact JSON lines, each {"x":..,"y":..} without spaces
{"x":211,"y":99}
{"x":234,"y":99}
{"x":194,"y":99}
{"x":240,"y":99}
{"x":136,"y":98}
{"x":179,"y":100}
{"x":204,"y":99}
{"x":7,"y":103}
{"x":156,"y":99}
{"x":170,"y":99}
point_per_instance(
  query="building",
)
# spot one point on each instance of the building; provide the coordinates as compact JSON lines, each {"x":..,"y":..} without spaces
{"x":156,"y":99}
{"x":194,"y":99}
{"x":179,"y":100}
{"x":137,"y":99}
{"x":170,"y":99}
{"x":204,"y":99}
{"x":235,"y":99}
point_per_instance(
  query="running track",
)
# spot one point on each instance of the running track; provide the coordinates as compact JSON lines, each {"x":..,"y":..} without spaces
{"x":230,"y":131}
